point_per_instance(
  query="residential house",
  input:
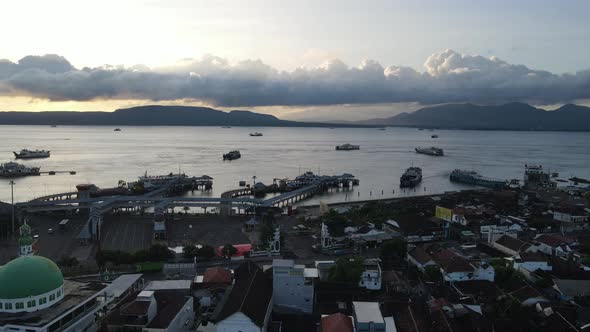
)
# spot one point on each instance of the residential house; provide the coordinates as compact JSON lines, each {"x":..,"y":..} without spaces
{"x":371,"y":277}
{"x":420,"y":258}
{"x":511,"y":245}
{"x":247,"y":304}
{"x":368,"y":317}
{"x":293,"y":286}
{"x":532,"y":261}
{"x":460,"y":269}
{"x":555,"y":244}
{"x":152,"y":311}
{"x":210,"y":287}
{"x":337,"y":323}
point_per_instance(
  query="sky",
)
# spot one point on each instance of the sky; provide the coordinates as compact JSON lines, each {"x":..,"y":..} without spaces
{"x":305,"y":59}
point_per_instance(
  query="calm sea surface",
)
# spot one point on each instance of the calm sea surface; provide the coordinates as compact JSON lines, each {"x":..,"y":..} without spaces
{"x":103,"y":157}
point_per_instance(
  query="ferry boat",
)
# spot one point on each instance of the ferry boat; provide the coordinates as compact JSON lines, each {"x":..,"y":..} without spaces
{"x":256,"y":134}
{"x":472,"y":177}
{"x":431,"y":151}
{"x":411,"y":177}
{"x":232,"y":155}
{"x":347,"y":147}
{"x":12,"y":170}
{"x":150,"y":182}
{"x":31,"y":154}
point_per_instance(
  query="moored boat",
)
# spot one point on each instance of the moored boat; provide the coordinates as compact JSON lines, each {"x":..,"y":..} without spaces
{"x":31,"y":154}
{"x":431,"y":151}
{"x":472,"y":177}
{"x":347,"y":147}
{"x":411,"y":177}
{"x":232,"y":155}
{"x":12,"y":170}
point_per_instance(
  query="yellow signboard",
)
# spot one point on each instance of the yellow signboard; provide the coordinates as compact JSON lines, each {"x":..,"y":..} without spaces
{"x":443,"y":213}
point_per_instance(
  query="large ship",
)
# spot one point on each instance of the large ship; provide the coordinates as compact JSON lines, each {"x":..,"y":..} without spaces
{"x":431,"y":151}
{"x":347,"y":147}
{"x":472,"y":177}
{"x":12,"y":170}
{"x":411,"y":177}
{"x":31,"y":154}
{"x":232,"y":155}
{"x":151,"y":182}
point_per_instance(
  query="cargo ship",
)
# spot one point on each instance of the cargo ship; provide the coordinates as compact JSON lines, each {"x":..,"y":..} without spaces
{"x":431,"y":151}
{"x":472,"y":177}
{"x":411,"y":177}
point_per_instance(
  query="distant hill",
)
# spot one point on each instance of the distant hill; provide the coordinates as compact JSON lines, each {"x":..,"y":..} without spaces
{"x":156,"y":115}
{"x":512,"y":116}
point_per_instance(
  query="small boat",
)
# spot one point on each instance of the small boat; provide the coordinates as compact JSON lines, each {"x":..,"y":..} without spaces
{"x":31,"y":154}
{"x":226,"y":127}
{"x":382,"y":128}
{"x":117,"y":129}
{"x":256,"y":134}
{"x":431,"y":151}
{"x":434,"y":136}
{"x":51,"y":173}
{"x":347,"y":147}
{"x":12,"y":170}
{"x":53,"y":126}
{"x":232,"y":155}
{"x":411,"y":177}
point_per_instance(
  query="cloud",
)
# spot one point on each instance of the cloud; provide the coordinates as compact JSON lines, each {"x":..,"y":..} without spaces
{"x":448,"y":76}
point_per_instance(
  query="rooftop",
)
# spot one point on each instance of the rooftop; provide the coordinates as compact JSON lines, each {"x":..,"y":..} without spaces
{"x":367,"y":312}
{"x":75,"y":294}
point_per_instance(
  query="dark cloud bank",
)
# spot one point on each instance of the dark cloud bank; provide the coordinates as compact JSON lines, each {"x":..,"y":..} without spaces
{"x":448,"y":77}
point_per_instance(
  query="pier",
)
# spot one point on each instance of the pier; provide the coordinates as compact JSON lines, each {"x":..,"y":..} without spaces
{"x":162,"y":200}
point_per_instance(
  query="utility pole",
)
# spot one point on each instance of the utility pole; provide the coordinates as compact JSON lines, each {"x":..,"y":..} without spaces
{"x":12,"y":203}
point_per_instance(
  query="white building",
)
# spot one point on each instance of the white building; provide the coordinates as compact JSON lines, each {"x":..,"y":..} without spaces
{"x":293,"y":285}
{"x":371,"y":277}
{"x":368,"y":317}
{"x":460,"y":269}
{"x":532,"y":261}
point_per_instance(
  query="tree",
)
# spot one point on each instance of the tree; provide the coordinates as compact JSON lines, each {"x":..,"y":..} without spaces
{"x":158,"y":252}
{"x":228,"y":251}
{"x":189,"y":251}
{"x":205,"y":252}
{"x":432,"y":273}
{"x":66,"y":261}
{"x":347,"y":270}
{"x":393,"y":252}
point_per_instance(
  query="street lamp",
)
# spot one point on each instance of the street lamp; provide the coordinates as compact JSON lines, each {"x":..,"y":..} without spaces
{"x":12,"y":202}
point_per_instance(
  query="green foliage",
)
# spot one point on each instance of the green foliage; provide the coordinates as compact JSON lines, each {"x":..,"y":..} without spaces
{"x":347,"y":270}
{"x":393,"y":252}
{"x":432,"y":273}
{"x":506,"y":275}
{"x":336,"y":222}
{"x":205,"y":252}
{"x":66,"y":261}
{"x":228,"y":251}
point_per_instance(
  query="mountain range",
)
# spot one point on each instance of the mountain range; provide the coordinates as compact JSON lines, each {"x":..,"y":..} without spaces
{"x":156,"y":115}
{"x":511,"y":116}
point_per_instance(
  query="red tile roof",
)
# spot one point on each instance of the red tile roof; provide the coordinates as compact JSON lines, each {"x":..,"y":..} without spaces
{"x":337,"y":323}
{"x":217,"y":275}
{"x":553,"y":240}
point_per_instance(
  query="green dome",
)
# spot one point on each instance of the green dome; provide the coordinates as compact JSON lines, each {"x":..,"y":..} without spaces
{"x":29,"y":276}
